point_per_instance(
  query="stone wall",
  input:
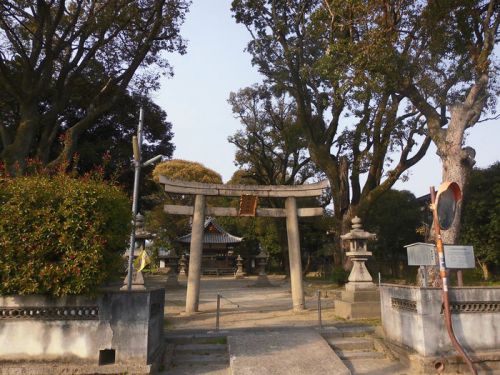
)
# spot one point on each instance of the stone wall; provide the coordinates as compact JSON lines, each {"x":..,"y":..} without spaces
{"x":412,"y":317}
{"x":116,"y":327}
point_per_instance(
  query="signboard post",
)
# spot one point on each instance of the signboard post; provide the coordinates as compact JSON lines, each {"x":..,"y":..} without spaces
{"x":423,"y":255}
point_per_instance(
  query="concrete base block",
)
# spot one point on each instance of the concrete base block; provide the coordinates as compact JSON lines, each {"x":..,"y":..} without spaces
{"x":76,"y":367}
{"x":361,"y":303}
{"x":115,"y":332}
{"x":357,"y":310}
{"x":361,"y":296}
{"x":171,"y":281}
{"x":262,"y":281}
{"x":487,"y":362}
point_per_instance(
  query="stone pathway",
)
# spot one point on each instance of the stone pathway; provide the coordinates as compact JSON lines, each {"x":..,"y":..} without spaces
{"x":263,"y":316}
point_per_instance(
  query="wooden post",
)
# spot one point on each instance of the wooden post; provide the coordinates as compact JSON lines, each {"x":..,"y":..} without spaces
{"x":195,"y":255}
{"x":292,"y":229}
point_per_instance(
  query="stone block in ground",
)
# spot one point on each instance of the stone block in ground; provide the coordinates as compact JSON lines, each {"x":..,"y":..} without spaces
{"x":295,"y":352}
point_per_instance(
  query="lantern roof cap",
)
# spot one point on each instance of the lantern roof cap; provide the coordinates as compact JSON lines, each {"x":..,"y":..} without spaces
{"x":357,"y":232}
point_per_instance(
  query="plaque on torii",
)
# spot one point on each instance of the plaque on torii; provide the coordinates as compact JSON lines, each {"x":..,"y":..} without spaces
{"x":249,"y":195}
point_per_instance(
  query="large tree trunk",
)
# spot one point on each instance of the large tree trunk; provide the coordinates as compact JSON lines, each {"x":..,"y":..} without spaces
{"x":485,"y":269}
{"x":457,"y":163}
{"x":15,"y":155}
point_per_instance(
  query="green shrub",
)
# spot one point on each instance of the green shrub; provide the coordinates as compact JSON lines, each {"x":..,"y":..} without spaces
{"x":339,"y":276}
{"x":60,"y":235}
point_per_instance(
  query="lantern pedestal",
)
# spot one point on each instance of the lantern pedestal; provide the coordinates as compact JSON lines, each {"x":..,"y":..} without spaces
{"x":360,"y":299}
{"x":137,"y":281}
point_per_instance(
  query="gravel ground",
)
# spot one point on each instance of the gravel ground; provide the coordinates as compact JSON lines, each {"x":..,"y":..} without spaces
{"x":244,"y":305}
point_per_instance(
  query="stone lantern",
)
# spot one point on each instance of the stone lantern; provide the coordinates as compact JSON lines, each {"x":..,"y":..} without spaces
{"x":141,"y":235}
{"x":261,"y":260}
{"x":361,"y":299}
{"x":170,"y":261}
{"x":182,"y":267}
{"x":359,"y":278}
{"x":240,"y":274}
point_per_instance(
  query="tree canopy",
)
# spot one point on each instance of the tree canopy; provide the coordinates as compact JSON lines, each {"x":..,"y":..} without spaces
{"x":270,"y":147}
{"x":65,"y":64}
{"x":184,"y":170}
{"x":357,"y":128}
{"x":440,"y":57}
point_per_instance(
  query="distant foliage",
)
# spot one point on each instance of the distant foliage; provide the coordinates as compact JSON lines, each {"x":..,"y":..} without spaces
{"x":395,"y":218}
{"x":481,"y":217}
{"x":60,"y":235}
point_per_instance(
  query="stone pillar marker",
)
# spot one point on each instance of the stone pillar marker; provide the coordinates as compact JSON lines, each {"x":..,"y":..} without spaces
{"x":195,"y":255}
{"x":240,"y":274}
{"x":361,"y":299}
{"x":292,"y":229}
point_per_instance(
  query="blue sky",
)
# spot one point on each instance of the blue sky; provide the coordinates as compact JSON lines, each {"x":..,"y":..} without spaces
{"x":195,"y":99}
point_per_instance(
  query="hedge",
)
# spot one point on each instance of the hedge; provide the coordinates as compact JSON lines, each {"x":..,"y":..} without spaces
{"x":60,"y":235}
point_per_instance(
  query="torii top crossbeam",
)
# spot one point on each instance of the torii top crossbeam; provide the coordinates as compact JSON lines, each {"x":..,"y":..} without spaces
{"x":263,"y":191}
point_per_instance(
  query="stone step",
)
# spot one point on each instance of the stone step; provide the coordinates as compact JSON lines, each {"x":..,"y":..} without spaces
{"x":196,"y":339}
{"x":351,"y":343}
{"x":203,"y":369}
{"x":359,"y":354}
{"x":200,"y":348}
{"x":356,"y":331}
{"x":199,"y":359}
{"x":348,"y":331}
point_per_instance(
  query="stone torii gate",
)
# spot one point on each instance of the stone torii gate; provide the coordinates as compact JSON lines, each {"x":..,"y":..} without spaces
{"x":249,"y":195}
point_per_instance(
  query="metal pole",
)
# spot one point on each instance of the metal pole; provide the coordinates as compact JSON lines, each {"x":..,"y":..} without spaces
{"x":444,"y":279}
{"x":217,"y":313}
{"x":135,"y":196}
{"x":320,"y":323}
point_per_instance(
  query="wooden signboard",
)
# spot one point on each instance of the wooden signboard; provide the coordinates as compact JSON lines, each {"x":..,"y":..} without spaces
{"x":248,"y":205}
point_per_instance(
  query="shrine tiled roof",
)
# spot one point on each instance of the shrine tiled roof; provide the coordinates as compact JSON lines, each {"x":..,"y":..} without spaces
{"x":213,"y":233}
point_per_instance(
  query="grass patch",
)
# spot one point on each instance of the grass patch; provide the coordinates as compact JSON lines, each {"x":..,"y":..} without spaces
{"x":218,"y":340}
{"x":167,"y":323}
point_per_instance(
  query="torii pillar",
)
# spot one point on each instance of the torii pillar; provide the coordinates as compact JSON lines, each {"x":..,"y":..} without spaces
{"x":195,"y":255}
{"x":292,"y":230}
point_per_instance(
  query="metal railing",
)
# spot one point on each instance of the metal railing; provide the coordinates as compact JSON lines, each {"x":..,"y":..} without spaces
{"x":217,"y":314}
{"x":320,"y":322}
{"x":218,"y":310}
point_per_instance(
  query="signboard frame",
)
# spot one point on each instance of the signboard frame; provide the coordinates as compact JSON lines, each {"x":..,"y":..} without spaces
{"x":459,"y":256}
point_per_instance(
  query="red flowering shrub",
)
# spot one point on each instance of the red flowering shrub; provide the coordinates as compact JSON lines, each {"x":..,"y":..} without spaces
{"x":60,"y":235}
